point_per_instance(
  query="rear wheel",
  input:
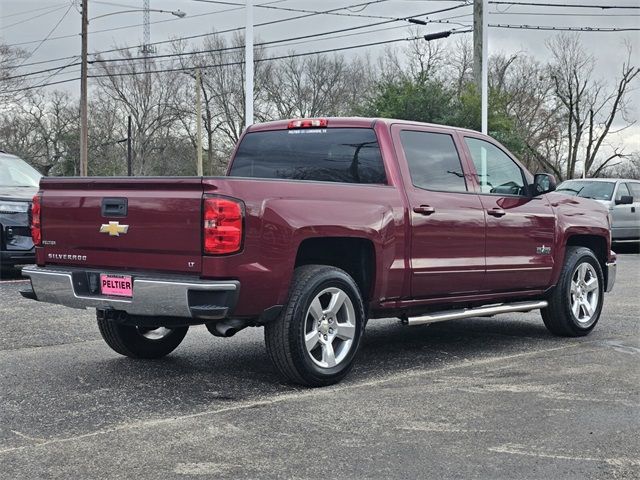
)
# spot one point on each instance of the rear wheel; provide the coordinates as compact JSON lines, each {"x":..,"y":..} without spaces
{"x":576,"y":302}
{"x":316,"y":337}
{"x":140,"y":342}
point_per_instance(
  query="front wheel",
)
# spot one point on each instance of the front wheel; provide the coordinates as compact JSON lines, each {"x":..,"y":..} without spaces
{"x":140,"y":342}
{"x":315,"y":339}
{"x":576,"y":302}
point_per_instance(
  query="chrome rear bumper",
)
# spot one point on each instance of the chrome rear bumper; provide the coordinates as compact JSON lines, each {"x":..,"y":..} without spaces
{"x":185,"y":297}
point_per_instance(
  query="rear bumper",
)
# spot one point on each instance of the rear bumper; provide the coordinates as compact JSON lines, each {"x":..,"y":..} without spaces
{"x":611,"y":275}
{"x":158,"y":296}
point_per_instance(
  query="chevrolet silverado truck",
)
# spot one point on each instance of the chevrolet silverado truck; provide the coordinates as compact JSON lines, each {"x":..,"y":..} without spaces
{"x":318,"y":226}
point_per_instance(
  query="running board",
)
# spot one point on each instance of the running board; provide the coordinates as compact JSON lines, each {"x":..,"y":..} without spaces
{"x":477,"y":312}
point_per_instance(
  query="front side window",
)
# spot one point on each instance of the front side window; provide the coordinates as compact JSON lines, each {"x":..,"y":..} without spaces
{"x":623,"y":191}
{"x":634,"y":191}
{"x":433,"y":161}
{"x":498,"y":174}
{"x":350,"y":155}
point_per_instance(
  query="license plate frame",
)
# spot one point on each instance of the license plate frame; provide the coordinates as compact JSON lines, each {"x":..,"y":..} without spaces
{"x":113,"y":285}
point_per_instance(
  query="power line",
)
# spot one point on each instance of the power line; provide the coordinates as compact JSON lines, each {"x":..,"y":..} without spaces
{"x":49,"y":34}
{"x":124,"y":27}
{"x":566,"y":5}
{"x":25,"y":12}
{"x":267,"y":43}
{"x":280,"y":57}
{"x":328,"y":12}
{"x":34,"y":17}
{"x":566,"y":29}
{"x":272,"y":22}
{"x":553,"y":14}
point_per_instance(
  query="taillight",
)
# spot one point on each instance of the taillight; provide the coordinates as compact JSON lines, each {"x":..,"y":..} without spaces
{"x":36,"y":220}
{"x":309,"y":123}
{"x":222,"y":225}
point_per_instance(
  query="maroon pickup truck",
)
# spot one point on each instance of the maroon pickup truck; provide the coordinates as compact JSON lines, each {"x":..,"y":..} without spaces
{"x":320,"y":225}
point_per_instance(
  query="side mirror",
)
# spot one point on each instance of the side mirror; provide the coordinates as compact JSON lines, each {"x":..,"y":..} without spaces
{"x":624,"y":200}
{"x":543,"y":183}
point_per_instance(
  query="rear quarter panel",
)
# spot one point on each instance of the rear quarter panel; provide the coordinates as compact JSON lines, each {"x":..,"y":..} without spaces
{"x":280,"y":215}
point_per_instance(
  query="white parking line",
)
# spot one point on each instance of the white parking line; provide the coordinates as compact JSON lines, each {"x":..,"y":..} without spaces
{"x":516,"y":449}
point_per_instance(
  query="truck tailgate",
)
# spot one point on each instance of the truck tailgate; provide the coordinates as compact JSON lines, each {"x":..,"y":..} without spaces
{"x":84,"y":223}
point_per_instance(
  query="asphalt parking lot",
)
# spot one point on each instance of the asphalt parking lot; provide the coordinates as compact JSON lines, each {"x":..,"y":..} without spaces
{"x":479,"y":398}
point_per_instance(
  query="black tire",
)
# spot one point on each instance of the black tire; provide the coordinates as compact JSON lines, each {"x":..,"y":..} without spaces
{"x":285,"y":336}
{"x":558,"y":317}
{"x":131,"y":341}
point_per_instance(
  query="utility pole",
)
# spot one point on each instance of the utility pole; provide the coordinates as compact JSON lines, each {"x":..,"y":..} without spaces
{"x":199,"y":120}
{"x":84,"y":121}
{"x":480,"y":57}
{"x":248,"y":65}
{"x":129,"y":159}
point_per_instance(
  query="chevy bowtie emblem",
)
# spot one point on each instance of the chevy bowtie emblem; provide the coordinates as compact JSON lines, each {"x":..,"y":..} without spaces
{"x":114,"y":229}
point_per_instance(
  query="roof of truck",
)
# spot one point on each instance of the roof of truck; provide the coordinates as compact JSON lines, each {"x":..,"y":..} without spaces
{"x":355,"y":122}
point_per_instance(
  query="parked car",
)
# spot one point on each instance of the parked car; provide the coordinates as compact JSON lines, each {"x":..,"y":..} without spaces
{"x":18,"y":184}
{"x":620,"y":196}
{"x":320,"y":225}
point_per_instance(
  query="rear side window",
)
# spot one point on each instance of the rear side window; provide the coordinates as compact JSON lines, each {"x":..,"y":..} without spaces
{"x":348,"y":155}
{"x":433,"y":161}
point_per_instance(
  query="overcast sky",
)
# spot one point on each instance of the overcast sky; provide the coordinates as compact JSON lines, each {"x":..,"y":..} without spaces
{"x":27,"y":22}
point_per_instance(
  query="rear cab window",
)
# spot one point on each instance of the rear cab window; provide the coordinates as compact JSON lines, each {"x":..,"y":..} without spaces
{"x":433,"y":161}
{"x":345,"y":155}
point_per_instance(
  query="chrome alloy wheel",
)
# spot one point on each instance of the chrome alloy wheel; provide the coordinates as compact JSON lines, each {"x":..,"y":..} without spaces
{"x":151,"y":333}
{"x":330,"y":327}
{"x":584,"y":294}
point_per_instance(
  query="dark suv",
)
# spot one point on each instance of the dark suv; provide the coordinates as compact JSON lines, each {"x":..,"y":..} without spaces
{"x":18,"y":184}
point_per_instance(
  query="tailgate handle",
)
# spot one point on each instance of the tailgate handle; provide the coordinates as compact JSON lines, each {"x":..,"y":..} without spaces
{"x":114,"y":207}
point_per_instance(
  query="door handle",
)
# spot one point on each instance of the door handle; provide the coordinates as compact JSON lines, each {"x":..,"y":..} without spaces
{"x":633,"y":209}
{"x":497,"y":212}
{"x":424,"y":210}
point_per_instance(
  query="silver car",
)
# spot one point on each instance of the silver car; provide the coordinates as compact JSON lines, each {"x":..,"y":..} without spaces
{"x":622,"y":198}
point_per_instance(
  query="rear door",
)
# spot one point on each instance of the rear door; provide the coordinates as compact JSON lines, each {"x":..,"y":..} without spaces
{"x":520,"y":229}
{"x":130,"y":224}
{"x":446,"y":217}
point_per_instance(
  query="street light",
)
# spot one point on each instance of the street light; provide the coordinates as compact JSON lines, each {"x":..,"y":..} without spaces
{"x":84,"y":122}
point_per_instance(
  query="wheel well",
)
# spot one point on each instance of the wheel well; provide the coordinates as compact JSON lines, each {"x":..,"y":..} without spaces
{"x":595,"y":243}
{"x":356,"y":256}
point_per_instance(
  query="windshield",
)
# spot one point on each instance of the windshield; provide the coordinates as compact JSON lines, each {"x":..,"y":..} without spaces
{"x":15,"y":172}
{"x":349,"y":155}
{"x":586,"y":189}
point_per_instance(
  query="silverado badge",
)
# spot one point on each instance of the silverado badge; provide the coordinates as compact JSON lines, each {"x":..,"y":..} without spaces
{"x":114,"y":229}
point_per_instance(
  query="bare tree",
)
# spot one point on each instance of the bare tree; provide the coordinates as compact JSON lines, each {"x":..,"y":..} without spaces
{"x":42,"y":130}
{"x":589,"y":107}
{"x":147,"y":97}
{"x":312,"y":86}
{"x":10,"y":59}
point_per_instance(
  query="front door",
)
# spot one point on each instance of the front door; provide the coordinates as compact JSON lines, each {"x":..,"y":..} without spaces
{"x":520,"y":229}
{"x":626,"y":217}
{"x":446,"y":218}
